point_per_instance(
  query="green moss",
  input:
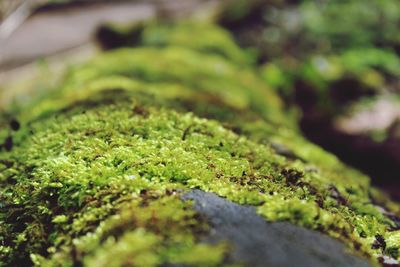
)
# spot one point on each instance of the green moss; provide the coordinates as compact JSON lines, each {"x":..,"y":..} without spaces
{"x":96,"y":171}
{"x":393,"y":244}
{"x":208,"y":38}
{"x":137,"y":235}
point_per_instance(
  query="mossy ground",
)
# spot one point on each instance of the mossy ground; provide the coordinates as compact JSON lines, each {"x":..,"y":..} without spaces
{"x":95,"y":174}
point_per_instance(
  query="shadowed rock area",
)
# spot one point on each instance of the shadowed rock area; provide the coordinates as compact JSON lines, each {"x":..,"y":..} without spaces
{"x":260,"y":243}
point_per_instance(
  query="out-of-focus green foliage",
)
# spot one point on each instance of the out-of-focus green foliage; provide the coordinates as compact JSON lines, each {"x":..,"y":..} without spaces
{"x":371,"y":70}
{"x":342,"y":25}
{"x":328,"y":46}
{"x":306,"y":27}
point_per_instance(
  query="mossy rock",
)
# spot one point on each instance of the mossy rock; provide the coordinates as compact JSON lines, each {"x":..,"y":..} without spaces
{"x":96,"y":172}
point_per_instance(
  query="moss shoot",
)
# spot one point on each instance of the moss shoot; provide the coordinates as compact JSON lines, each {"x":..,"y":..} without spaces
{"x":94,"y":173}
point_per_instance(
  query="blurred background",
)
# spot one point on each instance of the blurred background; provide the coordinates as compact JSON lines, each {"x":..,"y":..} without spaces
{"x":335,"y":63}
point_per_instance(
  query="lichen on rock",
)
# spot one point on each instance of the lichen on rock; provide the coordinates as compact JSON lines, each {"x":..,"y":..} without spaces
{"x":96,"y":172}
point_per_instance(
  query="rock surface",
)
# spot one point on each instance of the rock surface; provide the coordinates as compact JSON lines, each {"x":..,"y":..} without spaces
{"x":260,"y":243}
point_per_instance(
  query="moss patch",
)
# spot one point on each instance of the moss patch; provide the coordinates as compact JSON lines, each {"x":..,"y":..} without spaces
{"x":96,"y":171}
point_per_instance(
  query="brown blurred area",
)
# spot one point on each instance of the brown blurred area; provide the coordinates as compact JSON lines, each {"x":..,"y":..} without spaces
{"x":50,"y":27}
{"x":7,"y":7}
